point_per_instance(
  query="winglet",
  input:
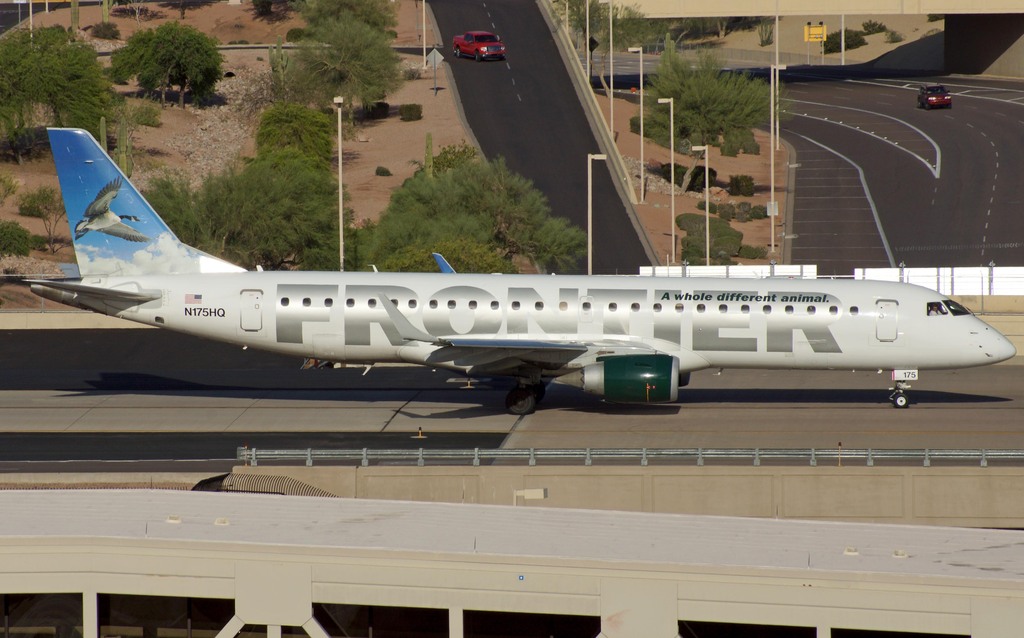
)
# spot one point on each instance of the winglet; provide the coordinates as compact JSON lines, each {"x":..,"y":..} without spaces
{"x":442,"y":263}
{"x":405,"y":328}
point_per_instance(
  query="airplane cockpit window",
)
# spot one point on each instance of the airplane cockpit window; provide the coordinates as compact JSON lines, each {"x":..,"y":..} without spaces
{"x":956,"y":309}
{"x":935,"y":308}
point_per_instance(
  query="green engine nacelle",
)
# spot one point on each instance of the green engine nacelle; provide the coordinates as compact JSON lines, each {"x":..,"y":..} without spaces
{"x":639,"y":378}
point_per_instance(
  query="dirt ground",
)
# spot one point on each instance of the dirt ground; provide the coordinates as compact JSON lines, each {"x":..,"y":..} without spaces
{"x":196,"y":141}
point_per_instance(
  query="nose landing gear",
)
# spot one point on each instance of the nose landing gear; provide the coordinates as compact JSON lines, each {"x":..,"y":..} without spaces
{"x":899,"y":396}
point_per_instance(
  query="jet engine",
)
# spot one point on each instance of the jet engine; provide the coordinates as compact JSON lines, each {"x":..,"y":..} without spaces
{"x":640,"y":378}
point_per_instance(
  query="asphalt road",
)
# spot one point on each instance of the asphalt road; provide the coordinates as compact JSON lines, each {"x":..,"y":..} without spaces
{"x":181,"y":402}
{"x":880,"y":181}
{"x":525,"y":110}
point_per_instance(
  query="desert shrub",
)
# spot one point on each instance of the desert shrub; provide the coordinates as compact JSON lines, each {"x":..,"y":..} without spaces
{"x":14,"y":239}
{"x":263,"y":7}
{"x":753,"y":252}
{"x":634,"y":124}
{"x":106,"y":31}
{"x":758,"y":211}
{"x":740,"y":140}
{"x":743,"y":212}
{"x":696,"y":182}
{"x":378,"y":111}
{"x":8,"y":185}
{"x":714,"y":207}
{"x":410,"y":112}
{"x":146,"y":113}
{"x":411,"y":73}
{"x":726,"y":211}
{"x":741,"y":186}
{"x":854,"y":40}
{"x":871,"y":27}
{"x":935,"y":17}
{"x":382,"y":171}
{"x":765,"y":33}
{"x":453,"y":156}
{"x":892,"y":37}
{"x":294,"y":35}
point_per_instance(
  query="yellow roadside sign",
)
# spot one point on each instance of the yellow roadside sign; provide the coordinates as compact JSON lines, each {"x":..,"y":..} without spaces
{"x":814,"y":32}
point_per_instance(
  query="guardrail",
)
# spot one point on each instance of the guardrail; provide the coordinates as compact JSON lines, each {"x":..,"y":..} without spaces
{"x":812,"y":457}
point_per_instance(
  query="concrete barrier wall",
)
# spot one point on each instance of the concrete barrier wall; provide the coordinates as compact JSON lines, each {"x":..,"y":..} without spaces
{"x":960,"y":496}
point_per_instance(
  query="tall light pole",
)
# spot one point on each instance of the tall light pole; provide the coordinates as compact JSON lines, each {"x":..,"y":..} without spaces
{"x":590,"y":208}
{"x":643,"y":168}
{"x":707,"y":205}
{"x":586,"y":45}
{"x":773,"y":207}
{"x":423,"y":30}
{"x":339,"y":101}
{"x":611,"y":72}
{"x":671,"y":101}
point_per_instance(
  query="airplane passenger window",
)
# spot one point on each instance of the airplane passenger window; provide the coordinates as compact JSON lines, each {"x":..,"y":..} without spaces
{"x":394,"y":302}
{"x":723,"y":309}
{"x":412,"y":303}
{"x":563,"y":305}
{"x":495,"y":305}
{"x":612,"y":307}
{"x":284,"y":301}
{"x":307,"y":302}
{"x":586,"y":305}
{"x":679,"y":307}
{"x":433,"y":303}
{"x":833,"y":310}
{"x":766,"y":309}
{"x":472,"y":305}
{"x":635,"y":307}
{"x":329,"y":302}
{"x":789,"y":310}
{"x":811,"y":310}
{"x":515,"y":305}
{"x":372,"y":303}
{"x":657,"y":307}
{"x":538,"y":305}
{"x":350,"y":302}
{"x":745,"y":309}
{"x":854,"y":311}
{"x":700,"y":307}
{"x":451,"y":304}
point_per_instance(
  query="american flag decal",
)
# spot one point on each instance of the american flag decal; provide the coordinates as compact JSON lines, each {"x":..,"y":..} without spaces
{"x":193,"y":299}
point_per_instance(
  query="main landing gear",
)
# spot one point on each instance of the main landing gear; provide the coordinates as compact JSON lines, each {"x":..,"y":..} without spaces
{"x":899,"y":396}
{"x":523,"y":398}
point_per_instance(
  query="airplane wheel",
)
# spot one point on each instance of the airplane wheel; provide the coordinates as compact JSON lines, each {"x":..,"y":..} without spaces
{"x":539,"y":390}
{"x":900,"y":400}
{"x":521,"y":401}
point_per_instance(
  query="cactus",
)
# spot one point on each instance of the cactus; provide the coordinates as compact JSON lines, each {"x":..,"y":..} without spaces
{"x":428,"y":157}
{"x":105,"y":11}
{"x":123,"y":151}
{"x":74,"y":16}
{"x":103,"y":134}
{"x":280,"y":62}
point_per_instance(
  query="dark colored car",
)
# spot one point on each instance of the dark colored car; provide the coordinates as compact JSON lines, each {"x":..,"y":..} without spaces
{"x":934,"y":96}
{"x":480,"y":45}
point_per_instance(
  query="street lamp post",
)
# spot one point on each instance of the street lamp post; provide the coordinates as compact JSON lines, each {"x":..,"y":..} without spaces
{"x":423,"y":29}
{"x":773,"y":206}
{"x":339,"y":101}
{"x":611,"y":72}
{"x":590,"y":208}
{"x":586,"y":45}
{"x":643,"y":168}
{"x":707,"y":205}
{"x":671,"y":167}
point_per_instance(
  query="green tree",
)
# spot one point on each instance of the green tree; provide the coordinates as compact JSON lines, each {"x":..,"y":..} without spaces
{"x":380,"y":15}
{"x":44,"y":203}
{"x":707,"y":101}
{"x":14,"y":239}
{"x":278,"y":211}
{"x":289,"y":125}
{"x":350,"y":59}
{"x":47,"y":78}
{"x":465,"y":254}
{"x":486,"y":203}
{"x":172,"y":55}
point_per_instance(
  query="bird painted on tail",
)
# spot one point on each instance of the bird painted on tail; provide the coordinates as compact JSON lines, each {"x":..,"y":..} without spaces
{"x":100,"y":218}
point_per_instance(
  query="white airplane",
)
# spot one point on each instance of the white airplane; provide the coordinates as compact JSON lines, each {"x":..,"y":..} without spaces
{"x":625,"y":338}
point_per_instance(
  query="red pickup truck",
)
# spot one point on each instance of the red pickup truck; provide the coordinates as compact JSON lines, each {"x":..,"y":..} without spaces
{"x":480,"y":45}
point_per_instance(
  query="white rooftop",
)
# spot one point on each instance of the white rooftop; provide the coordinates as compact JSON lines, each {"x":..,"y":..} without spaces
{"x":669,"y":541}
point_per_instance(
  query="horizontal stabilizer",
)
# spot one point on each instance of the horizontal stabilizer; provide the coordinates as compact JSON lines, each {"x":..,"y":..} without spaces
{"x":108,"y":294}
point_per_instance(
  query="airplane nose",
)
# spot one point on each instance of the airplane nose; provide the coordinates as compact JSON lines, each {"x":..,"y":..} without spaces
{"x":1000,"y":348}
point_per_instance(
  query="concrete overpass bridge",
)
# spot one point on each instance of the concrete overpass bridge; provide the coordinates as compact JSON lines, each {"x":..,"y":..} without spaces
{"x":981,"y":36}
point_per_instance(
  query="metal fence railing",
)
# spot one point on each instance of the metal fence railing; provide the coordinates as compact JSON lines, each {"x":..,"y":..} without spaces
{"x":642,"y":456}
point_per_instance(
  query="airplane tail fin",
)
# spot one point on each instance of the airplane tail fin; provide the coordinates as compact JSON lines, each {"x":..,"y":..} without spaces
{"x":114,"y":229}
